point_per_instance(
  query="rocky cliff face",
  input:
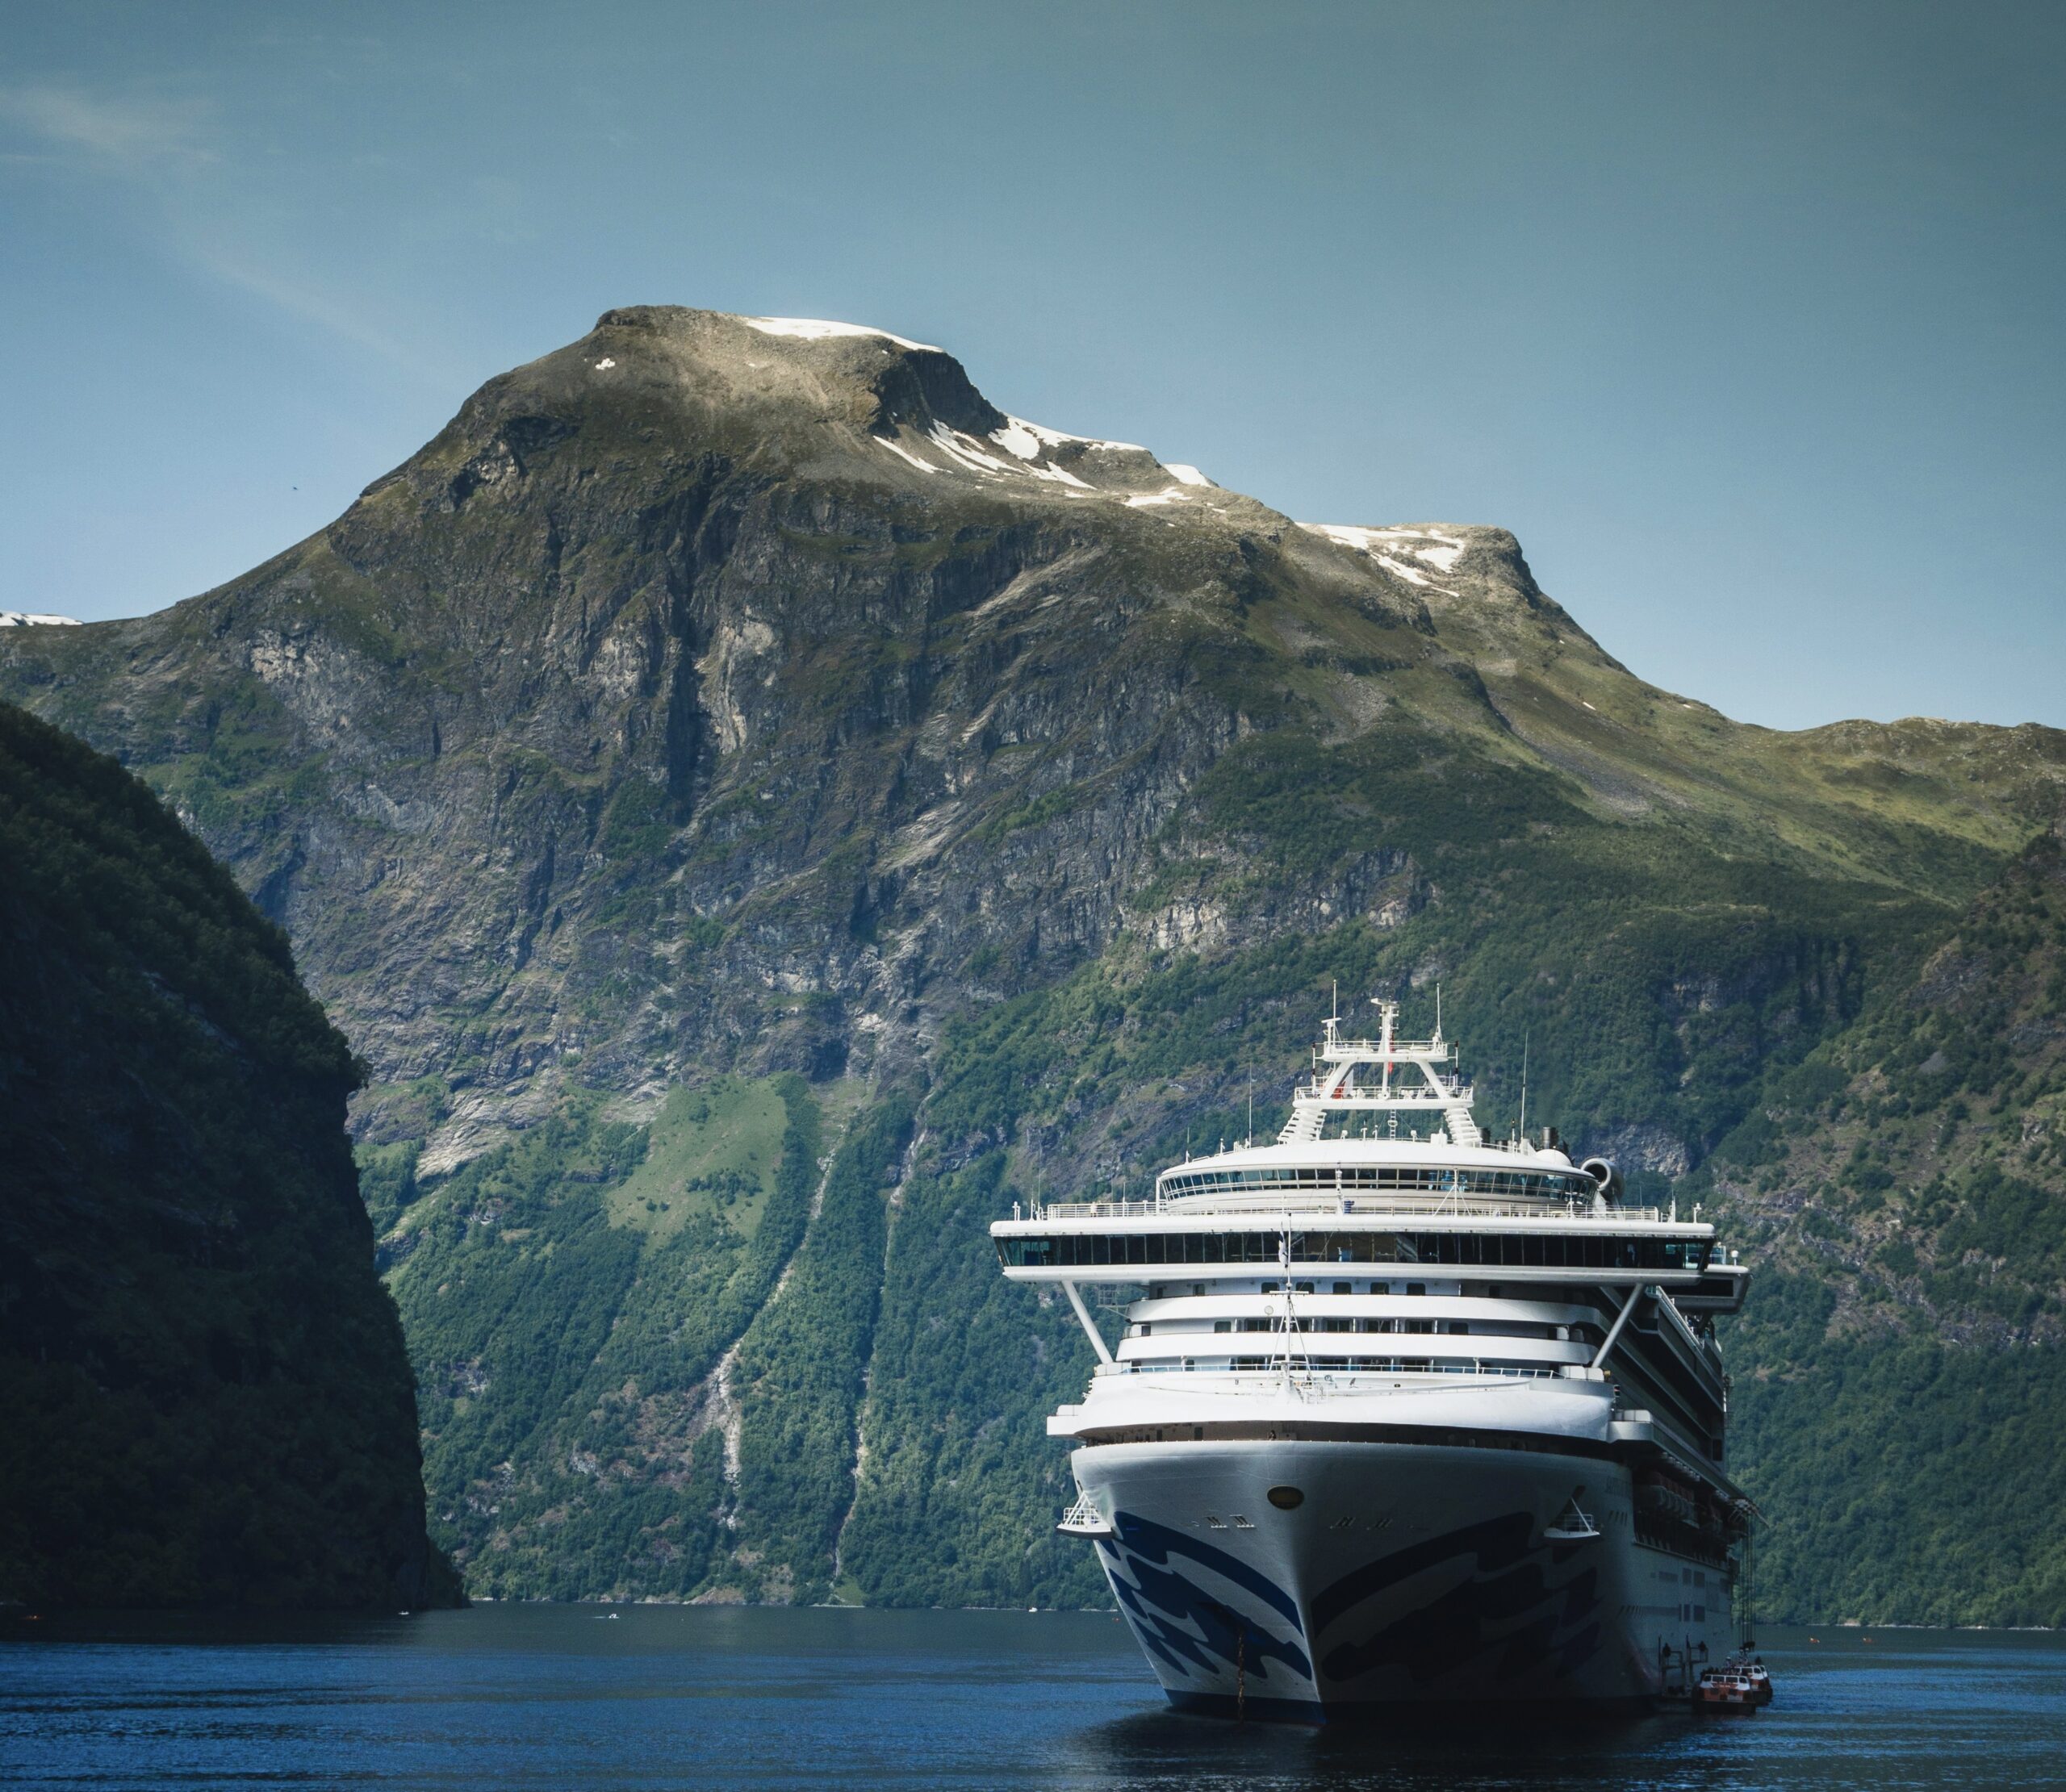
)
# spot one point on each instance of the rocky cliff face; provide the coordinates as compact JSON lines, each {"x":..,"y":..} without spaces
{"x":203,"y":1386}
{"x":718,"y":695}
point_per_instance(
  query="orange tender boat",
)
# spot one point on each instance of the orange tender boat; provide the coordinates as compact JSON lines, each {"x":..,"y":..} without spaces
{"x":1724,"y":1692}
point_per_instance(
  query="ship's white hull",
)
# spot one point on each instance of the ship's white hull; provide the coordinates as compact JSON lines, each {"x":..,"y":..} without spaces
{"x":1406,"y":1575}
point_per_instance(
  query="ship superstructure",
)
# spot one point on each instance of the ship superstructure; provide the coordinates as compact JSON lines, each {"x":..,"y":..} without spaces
{"x":1400,"y":1413}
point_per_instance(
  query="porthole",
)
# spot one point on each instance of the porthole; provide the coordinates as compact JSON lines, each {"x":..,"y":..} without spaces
{"x":1284,"y":1499}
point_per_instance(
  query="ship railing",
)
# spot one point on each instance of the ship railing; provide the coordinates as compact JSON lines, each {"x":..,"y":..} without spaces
{"x":1274,"y":1365}
{"x":1404,"y":1095}
{"x":1307,"y":1203}
{"x":1442,"y":1050}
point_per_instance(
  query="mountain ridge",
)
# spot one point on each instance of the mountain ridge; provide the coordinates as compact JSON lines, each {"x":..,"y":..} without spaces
{"x":753,"y":707}
{"x":677,"y":379}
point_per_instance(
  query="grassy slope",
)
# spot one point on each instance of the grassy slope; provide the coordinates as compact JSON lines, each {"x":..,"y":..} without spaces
{"x":710,"y":1152}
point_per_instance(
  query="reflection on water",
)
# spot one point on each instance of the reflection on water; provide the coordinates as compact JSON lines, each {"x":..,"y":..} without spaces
{"x":656,"y":1697}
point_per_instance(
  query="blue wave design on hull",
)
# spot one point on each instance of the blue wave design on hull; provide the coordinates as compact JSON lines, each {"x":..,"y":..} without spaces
{"x":1158,"y":1600}
{"x":1505,"y":1618}
{"x":1508,"y":1580}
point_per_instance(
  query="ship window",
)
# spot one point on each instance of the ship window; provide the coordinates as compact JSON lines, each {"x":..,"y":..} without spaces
{"x":1540,"y":1249}
{"x":1303,"y":1287}
{"x":1416,"y":1288}
{"x":1269,"y":1288}
{"x":1223,"y":1325}
{"x":1343,"y":1288}
{"x":1381,"y":1288}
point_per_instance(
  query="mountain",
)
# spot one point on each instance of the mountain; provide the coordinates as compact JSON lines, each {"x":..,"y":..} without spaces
{"x":1906,"y":1185}
{"x":203,"y":1387}
{"x":759,"y":808}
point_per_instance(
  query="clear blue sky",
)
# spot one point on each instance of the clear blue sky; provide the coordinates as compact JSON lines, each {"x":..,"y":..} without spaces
{"x":1746,"y":319}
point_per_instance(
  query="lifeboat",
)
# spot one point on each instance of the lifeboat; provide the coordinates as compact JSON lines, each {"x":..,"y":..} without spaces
{"x":1723,"y":1692}
{"x":1747,"y":1666}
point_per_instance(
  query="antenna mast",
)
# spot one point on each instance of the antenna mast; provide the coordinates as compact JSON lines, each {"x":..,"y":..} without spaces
{"x":1523,"y":1088}
{"x":1291,"y":1333}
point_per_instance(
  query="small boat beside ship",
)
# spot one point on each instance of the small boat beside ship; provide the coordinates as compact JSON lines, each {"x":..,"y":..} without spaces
{"x":1723,"y":1692}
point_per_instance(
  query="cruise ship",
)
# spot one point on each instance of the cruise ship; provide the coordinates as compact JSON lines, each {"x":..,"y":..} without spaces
{"x":1402,"y":1416}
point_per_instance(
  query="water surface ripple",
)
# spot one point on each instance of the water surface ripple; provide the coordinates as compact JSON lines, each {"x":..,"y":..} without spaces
{"x":655,"y":1698}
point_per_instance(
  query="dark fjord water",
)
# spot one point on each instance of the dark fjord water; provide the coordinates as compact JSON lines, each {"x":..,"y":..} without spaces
{"x":521,"y":1697}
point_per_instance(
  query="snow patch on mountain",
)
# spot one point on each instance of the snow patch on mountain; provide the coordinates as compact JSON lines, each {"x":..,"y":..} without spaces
{"x":1024,"y":439}
{"x":1031,"y":450}
{"x":817,"y":329}
{"x":1027,"y":441}
{"x":1431,"y":546}
{"x":903,"y":452}
{"x":965,"y":450}
{"x":30,"y":619}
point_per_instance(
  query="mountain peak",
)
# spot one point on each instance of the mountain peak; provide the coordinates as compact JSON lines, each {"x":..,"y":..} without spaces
{"x":840,"y":399}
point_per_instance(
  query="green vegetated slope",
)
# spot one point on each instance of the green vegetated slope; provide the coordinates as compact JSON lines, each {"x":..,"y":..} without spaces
{"x":566,"y":1335}
{"x":203,"y":1392}
{"x":1901,"y":1391}
{"x":715,"y":734}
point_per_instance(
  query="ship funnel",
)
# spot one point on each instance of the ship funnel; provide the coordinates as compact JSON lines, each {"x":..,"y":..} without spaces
{"x":1603,"y":1173}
